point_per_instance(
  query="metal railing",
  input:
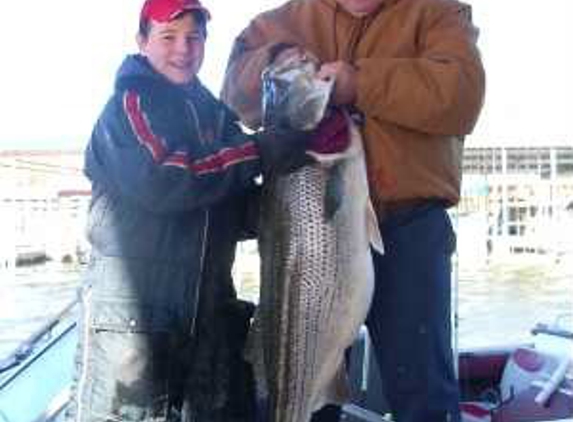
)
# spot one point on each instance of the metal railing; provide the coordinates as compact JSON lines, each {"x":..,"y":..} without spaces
{"x":25,"y":353}
{"x":14,"y":369}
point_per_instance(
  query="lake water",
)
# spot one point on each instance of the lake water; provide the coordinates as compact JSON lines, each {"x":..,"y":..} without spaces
{"x":497,"y":303}
{"x":500,"y":303}
{"x":30,"y":296}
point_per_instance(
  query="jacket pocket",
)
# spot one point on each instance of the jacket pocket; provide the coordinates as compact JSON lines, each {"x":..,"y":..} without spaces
{"x":131,"y":316}
{"x":129,"y":365}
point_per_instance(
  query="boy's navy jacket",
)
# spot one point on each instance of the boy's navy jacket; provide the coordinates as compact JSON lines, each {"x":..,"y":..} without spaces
{"x":161,"y":159}
{"x":172,"y":176}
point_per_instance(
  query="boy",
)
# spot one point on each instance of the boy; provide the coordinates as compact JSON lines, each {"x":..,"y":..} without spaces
{"x":171,"y":173}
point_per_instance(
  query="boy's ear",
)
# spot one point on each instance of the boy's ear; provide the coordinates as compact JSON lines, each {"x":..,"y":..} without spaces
{"x":140,"y":40}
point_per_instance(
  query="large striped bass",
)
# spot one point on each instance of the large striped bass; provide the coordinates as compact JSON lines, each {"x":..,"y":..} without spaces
{"x":316,"y":281}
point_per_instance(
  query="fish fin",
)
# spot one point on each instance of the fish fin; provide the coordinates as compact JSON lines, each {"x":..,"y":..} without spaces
{"x":338,"y":392}
{"x":373,"y":229}
{"x":342,"y":385}
{"x":333,"y":191}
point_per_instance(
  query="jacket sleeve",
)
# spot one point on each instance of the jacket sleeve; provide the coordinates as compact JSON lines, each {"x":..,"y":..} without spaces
{"x":253,"y":50}
{"x":439,"y":92}
{"x":135,"y":150}
{"x":242,"y":87}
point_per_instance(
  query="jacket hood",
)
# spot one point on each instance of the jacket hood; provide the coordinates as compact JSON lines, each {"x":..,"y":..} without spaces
{"x":136,"y":69}
{"x":137,"y":66}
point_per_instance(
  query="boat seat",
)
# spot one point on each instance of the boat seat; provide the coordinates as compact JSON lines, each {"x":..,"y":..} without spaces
{"x":525,"y":367}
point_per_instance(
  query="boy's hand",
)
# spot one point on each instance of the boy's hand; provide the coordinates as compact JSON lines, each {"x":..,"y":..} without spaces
{"x":283,"y":150}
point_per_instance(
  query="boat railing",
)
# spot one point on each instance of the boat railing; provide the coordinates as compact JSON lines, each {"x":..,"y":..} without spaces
{"x":547,"y":329}
{"x":561,"y":327}
{"x":27,"y":348}
{"x":26,"y":365}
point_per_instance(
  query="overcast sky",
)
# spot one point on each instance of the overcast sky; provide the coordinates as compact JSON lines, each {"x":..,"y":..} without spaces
{"x":59,"y":58}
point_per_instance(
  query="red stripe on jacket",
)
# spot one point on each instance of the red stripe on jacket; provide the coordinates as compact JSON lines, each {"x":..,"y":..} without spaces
{"x":217,"y":162}
{"x":141,"y":128}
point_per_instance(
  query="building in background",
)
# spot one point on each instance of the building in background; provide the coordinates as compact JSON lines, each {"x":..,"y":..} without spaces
{"x":43,"y":204}
{"x":515,"y":201}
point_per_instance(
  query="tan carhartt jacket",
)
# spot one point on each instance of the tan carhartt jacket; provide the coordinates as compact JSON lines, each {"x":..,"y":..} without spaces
{"x":420,"y":83}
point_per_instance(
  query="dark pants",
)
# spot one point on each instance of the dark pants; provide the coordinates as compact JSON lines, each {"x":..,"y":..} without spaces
{"x":409,"y":321}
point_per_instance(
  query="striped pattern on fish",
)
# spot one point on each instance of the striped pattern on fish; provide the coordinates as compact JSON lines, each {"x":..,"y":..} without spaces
{"x":316,"y":282}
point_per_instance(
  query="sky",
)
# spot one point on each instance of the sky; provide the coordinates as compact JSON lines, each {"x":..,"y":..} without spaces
{"x":59,"y":58}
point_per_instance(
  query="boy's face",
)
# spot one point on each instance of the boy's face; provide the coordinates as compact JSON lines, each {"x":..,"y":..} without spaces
{"x":175,"y":49}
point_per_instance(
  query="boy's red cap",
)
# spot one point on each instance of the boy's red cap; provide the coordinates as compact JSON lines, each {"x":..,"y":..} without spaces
{"x":167,"y":10}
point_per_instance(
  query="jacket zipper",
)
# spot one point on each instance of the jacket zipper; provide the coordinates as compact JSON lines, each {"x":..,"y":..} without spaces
{"x":196,"y":128}
{"x":199,"y":283}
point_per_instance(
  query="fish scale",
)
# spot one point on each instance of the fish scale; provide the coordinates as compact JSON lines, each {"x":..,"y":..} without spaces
{"x":304,"y":293}
{"x":316,"y":284}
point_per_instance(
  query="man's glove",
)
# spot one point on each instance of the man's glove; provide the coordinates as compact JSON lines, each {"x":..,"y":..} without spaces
{"x":283,"y":150}
{"x":332,"y":134}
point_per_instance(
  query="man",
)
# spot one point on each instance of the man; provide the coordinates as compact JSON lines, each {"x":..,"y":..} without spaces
{"x":412,"y":69}
{"x":161,"y":329}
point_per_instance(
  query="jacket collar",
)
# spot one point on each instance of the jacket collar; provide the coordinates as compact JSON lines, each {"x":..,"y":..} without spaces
{"x":385,"y":3}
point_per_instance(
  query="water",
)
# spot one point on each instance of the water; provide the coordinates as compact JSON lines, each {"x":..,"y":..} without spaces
{"x":30,"y":296}
{"x":497,"y":303}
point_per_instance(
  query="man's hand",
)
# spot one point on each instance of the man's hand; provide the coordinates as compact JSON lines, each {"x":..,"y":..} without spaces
{"x":344,"y":75}
{"x":288,"y":53}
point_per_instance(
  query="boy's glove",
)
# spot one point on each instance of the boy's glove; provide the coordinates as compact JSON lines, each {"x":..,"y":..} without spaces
{"x":283,"y":150}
